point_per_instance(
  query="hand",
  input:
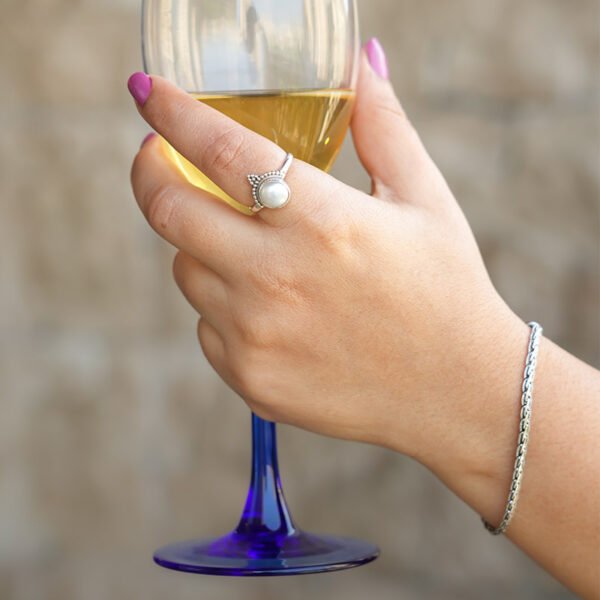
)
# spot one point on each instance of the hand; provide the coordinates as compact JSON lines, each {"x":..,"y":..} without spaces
{"x":372,"y":318}
{"x":361,"y":317}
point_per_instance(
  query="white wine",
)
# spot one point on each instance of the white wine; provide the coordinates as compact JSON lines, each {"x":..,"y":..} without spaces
{"x":311,"y":125}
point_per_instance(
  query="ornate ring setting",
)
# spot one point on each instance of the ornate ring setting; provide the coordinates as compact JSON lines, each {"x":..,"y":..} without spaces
{"x":270,"y":190}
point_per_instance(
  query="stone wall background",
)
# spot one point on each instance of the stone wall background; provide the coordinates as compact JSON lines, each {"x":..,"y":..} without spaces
{"x":116,"y":437}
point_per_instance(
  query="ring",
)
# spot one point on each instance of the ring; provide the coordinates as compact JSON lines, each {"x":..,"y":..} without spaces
{"x":270,"y":190}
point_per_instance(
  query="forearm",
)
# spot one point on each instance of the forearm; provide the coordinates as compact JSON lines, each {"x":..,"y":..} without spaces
{"x":557,"y":519}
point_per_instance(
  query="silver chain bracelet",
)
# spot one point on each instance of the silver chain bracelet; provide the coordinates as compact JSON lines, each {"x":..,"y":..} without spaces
{"x":524,"y":428}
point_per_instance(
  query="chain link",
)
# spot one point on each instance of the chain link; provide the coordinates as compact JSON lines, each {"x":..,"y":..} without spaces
{"x":524,"y":429}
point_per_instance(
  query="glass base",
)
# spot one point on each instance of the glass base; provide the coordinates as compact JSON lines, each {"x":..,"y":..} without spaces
{"x":245,"y":555}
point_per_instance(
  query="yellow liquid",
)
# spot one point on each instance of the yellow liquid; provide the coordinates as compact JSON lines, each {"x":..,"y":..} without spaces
{"x":311,"y":125}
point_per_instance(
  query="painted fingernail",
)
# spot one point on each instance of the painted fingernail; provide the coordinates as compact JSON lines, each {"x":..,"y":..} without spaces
{"x":147,"y":139}
{"x":140,"y":86}
{"x":377,"y":58}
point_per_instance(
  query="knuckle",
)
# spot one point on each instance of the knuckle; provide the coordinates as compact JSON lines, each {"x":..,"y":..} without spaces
{"x":167,"y":112}
{"x":279,"y":287}
{"x":242,"y":377}
{"x":162,"y":206}
{"x":339,"y":236}
{"x":385,"y":110}
{"x":224,"y":150}
{"x":390,"y":111}
{"x":277,"y":299}
{"x":258,"y":332}
{"x":251,"y":377}
{"x":278,"y":279}
{"x":180,"y":267}
{"x":212,"y":350}
{"x":393,"y":109}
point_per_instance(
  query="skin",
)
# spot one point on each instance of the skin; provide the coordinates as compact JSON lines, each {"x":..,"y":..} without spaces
{"x":372,"y":318}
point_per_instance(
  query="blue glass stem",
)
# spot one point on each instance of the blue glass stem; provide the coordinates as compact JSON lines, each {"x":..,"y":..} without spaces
{"x":265,"y":542}
{"x":266,"y":512}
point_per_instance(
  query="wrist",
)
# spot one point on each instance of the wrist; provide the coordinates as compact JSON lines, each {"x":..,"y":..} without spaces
{"x":470,"y":444}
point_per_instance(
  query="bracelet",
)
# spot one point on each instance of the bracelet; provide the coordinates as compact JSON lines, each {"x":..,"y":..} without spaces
{"x":524,"y":427}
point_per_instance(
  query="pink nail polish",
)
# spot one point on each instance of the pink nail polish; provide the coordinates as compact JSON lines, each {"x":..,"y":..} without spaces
{"x":147,"y":139}
{"x":140,"y":86}
{"x":377,"y":58}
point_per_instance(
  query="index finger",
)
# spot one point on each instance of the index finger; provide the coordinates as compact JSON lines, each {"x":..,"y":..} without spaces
{"x":227,"y":152}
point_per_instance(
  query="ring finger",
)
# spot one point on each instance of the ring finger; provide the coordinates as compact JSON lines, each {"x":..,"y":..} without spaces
{"x":226,"y":152}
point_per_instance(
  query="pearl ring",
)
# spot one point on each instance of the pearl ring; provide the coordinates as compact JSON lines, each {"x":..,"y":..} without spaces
{"x":270,"y":190}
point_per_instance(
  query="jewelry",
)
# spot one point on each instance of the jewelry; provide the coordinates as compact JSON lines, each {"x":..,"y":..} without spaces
{"x":524,"y":428}
{"x":270,"y":190}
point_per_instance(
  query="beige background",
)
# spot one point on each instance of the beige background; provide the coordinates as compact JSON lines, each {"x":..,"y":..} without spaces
{"x":116,"y":437}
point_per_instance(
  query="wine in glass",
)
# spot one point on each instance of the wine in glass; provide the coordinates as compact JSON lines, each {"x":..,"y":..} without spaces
{"x":287,"y":70}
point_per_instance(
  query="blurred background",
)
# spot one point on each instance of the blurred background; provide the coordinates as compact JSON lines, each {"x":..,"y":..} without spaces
{"x":115,"y":435}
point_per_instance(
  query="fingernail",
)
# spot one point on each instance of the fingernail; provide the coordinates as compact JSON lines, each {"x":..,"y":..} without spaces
{"x":147,"y":139}
{"x":140,"y":86}
{"x":377,"y":58}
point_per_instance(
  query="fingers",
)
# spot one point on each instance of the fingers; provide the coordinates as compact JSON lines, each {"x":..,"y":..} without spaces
{"x":385,"y":141}
{"x":215,"y":350}
{"x":212,"y":345}
{"x":189,"y":218}
{"x":225,"y":151}
{"x":204,"y":290}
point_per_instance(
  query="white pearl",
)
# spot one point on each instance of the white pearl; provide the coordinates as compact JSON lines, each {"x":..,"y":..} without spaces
{"x":274,"y":194}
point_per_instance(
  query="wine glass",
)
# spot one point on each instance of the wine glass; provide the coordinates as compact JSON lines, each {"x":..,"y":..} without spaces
{"x":287,"y":70}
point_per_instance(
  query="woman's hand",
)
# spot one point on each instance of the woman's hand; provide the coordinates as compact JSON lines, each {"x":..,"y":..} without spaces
{"x":356,"y":316}
{"x":372,"y":318}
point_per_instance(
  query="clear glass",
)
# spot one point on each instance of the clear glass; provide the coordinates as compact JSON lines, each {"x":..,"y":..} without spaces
{"x":287,"y":69}
{"x":216,"y":46}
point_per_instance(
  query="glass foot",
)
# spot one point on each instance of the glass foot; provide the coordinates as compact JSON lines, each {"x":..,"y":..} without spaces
{"x":266,"y":541}
{"x":242,"y":555}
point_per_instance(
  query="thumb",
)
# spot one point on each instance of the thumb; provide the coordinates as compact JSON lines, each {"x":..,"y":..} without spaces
{"x":386,"y":143}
